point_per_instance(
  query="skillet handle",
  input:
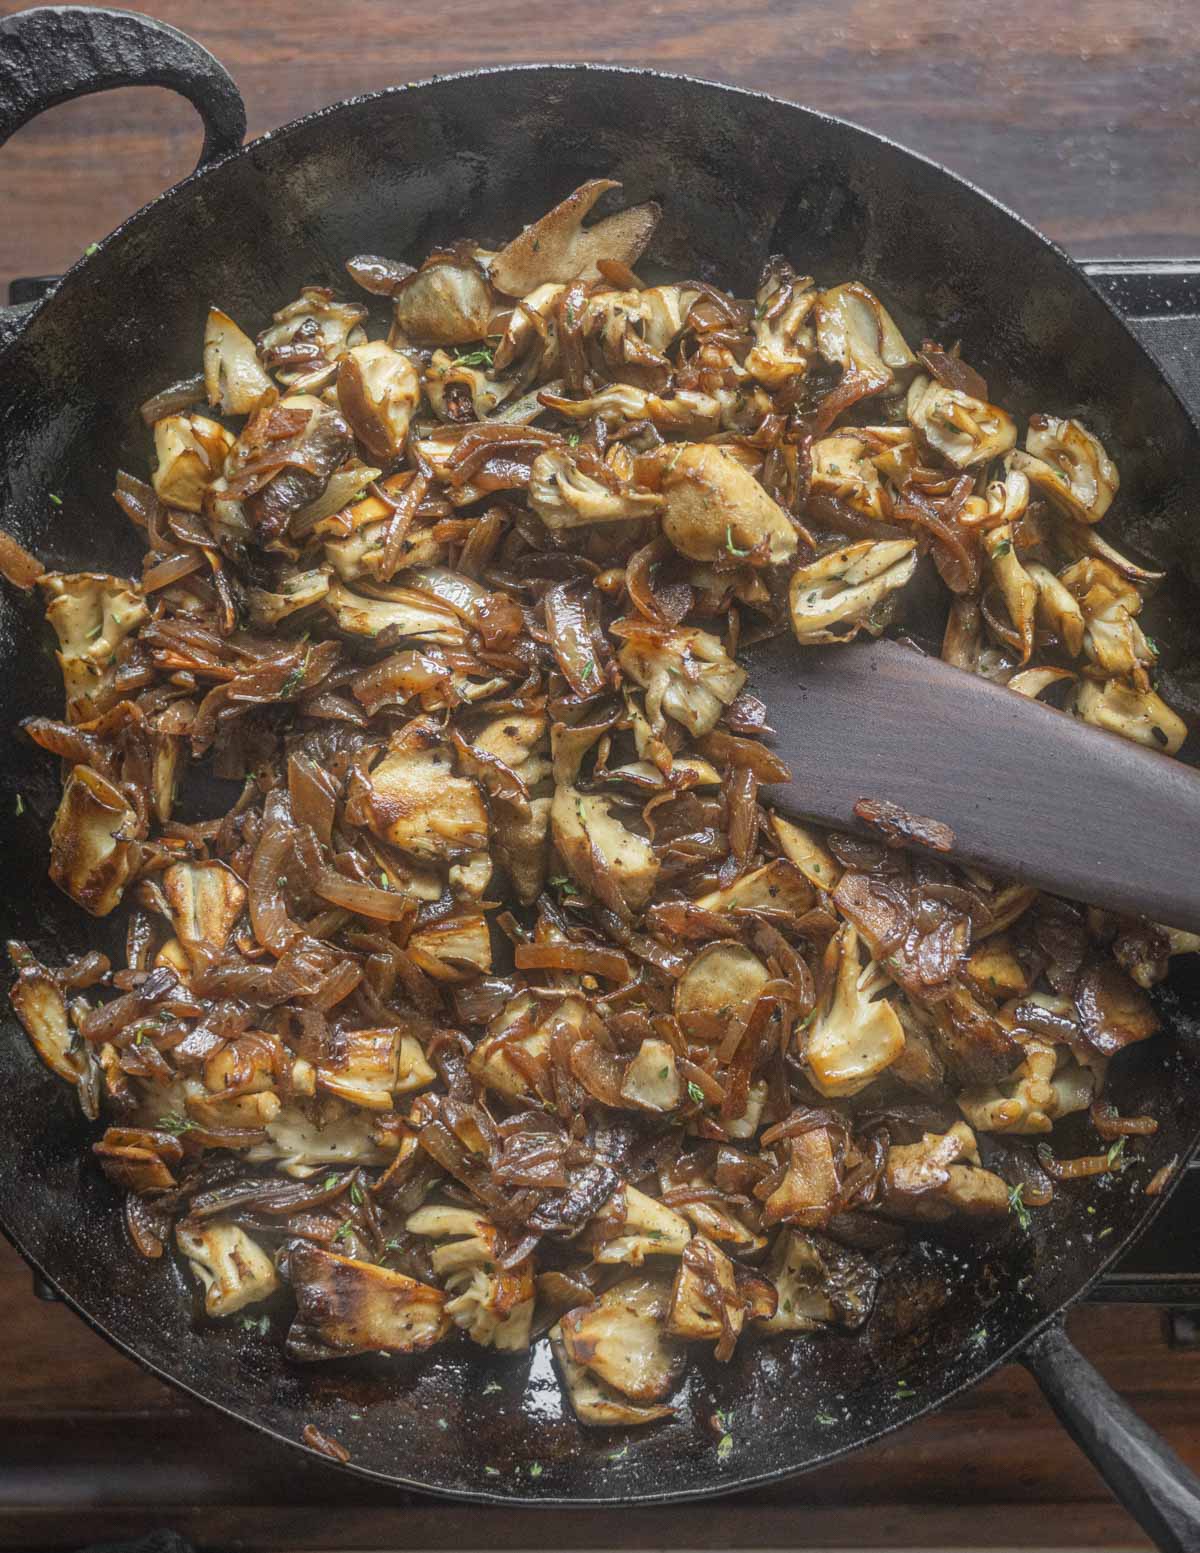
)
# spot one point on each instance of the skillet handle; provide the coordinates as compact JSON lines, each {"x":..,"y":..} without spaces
{"x":1142,"y":1471}
{"x":56,"y":52}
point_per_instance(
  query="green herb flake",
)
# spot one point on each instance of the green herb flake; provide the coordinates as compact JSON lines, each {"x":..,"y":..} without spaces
{"x":57,"y":500}
{"x":356,"y":1196}
{"x":259,"y":1324}
{"x":535,"y":1470}
{"x":589,"y":670}
{"x":492,"y":1472}
{"x":1016,"y":1205}
{"x":483,"y":357}
{"x":619,"y":1455}
{"x":695,"y":1093}
{"x":492,"y":1385}
{"x":344,"y":1231}
{"x":1001,"y":549}
{"x":1115,"y":1157}
{"x":977,"y":1338}
{"x":174,"y":1122}
{"x":724,"y":1447}
{"x":393,"y":1245}
{"x":1107,"y":1230}
{"x":19,"y":806}
{"x":1153,"y":646}
{"x":442,"y":1425}
{"x":827,"y":1419}
{"x":573,"y":439}
{"x":903,"y":1392}
{"x":729,"y":544}
{"x":329,"y":1183}
{"x":662,"y":1072}
{"x":90,"y":250}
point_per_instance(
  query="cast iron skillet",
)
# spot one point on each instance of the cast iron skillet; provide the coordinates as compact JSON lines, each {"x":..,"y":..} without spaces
{"x":740,"y":176}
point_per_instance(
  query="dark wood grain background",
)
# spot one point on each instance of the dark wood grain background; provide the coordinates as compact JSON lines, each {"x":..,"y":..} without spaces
{"x":1083,"y":115}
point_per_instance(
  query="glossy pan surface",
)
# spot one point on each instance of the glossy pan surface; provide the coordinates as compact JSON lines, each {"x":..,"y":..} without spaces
{"x":740,"y":176}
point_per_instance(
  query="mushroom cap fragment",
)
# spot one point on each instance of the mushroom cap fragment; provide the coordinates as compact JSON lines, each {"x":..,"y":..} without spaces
{"x":715,"y":507}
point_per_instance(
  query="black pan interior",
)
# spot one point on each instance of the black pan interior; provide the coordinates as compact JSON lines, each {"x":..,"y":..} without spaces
{"x":739,"y":177}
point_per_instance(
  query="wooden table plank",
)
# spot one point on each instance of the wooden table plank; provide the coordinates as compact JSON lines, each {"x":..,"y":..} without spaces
{"x":1085,"y":118}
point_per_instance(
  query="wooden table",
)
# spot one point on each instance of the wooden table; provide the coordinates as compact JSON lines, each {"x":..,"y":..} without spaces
{"x":1084,"y":117}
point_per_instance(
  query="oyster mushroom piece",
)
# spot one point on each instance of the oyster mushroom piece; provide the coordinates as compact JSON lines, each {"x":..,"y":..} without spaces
{"x":190,"y":452}
{"x":206,"y":900}
{"x":715,"y":507}
{"x":941,"y":1177}
{"x":620,"y":1338}
{"x":454,"y":949}
{"x":842,"y":467}
{"x":801,"y":846}
{"x":1050,"y":1083}
{"x":233,"y":378}
{"x":846,"y":591}
{"x":297,"y":591}
{"x":233,"y":1270}
{"x":780,"y":885}
{"x":1058,"y":610}
{"x":1017,"y":587}
{"x":685,"y":673}
{"x":93,"y":850}
{"x":493,"y":1306}
{"x":1112,"y":638}
{"x":818,"y":1284}
{"x":329,"y":1132}
{"x":368,"y":1067}
{"x":414,"y":800}
{"x":723,"y":980}
{"x":92,"y":614}
{"x":558,"y":247}
{"x":857,"y":333}
{"x":458,"y":387}
{"x":856,"y":1034}
{"x":651,"y":1081}
{"x":446,"y":302}
{"x":631,"y":1226}
{"x":392,"y":615}
{"x":964,"y":430}
{"x":512,"y":1056}
{"x":808,"y":1191}
{"x":38,"y":1002}
{"x":603,"y":856}
{"x":712,"y":1299}
{"x":1069,"y":466}
{"x":345,"y":1307}
{"x":520,"y":741}
{"x":378,"y":390}
{"x":1140,"y":715}
{"x":595,"y":1403}
{"x":784,"y":338}
{"x":564,"y":497}
{"x":309,"y":337}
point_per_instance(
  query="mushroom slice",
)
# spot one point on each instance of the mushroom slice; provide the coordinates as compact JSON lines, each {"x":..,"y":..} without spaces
{"x":1058,"y":610}
{"x":842,"y":467}
{"x":456,"y":948}
{"x":1113,"y":1010}
{"x":38,"y":1002}
{"x":712,"y":1299}
{"x":620,"y":1339}
{"x":92,"y":614}
{"x":1112,"y":638}
{"x":631,"y":1226}
{"x":234,"y":1271}
{"x":309,"y":337}
{"x":328,"y":1132}
{"x":1049,"y":1083}
{"x":1017,"y":587}
{"x":494,"y":1306}
{"x":206,"y":900}
{"x":941,"y":1177}
{"x":413,"y":799}
{"x":856,"y":332}
{"x":808,"y":1190}
{"x":779,"y":885}
{"x":564,"y":497}
{"x":233,"y":379}
{"x":715,"y":507}
{"x":685,"y":673}
{"x":138,"y":1159}
{"x":520,"y":832}
{"x":818,"y":1284}
{"x":1083,"y":478}
{"x":190,"y":451}
{"x":651,"y":1081}
{"x":298,"y":591}
{"x":784,"y":339}
{"x":800,"y":845}
{"x":964,"y":430}
{"x":512,"y":1056}
{"x":848,"y":590}
{"x":611,"y":862}
{"x":457,"y":389}
{"x":531,"y":328}
{"x":279,"y":469}
{"x":596,"y":1403}
{"x":93,"y":853}
{"x":378,"y":390}
{"x":446,"y":302}
{"x":722,"y":982}
{"x":395,"y":614}
{"x":1140,"y":715}
{"x":360,"y":1067}
{"x":857,"y":1034}
{"x":345,"y":1307}
{"x":558,"y":247}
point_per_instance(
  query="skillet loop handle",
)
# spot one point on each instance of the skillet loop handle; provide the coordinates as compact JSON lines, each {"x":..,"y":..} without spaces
{"x":1140,"y":1469}
{"x":56,"y":52}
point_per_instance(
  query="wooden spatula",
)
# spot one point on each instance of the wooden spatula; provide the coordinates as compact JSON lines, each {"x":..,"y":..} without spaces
{"x":1028,"y":791}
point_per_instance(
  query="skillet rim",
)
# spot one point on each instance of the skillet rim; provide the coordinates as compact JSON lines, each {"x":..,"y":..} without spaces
{"x":26,"y":318}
